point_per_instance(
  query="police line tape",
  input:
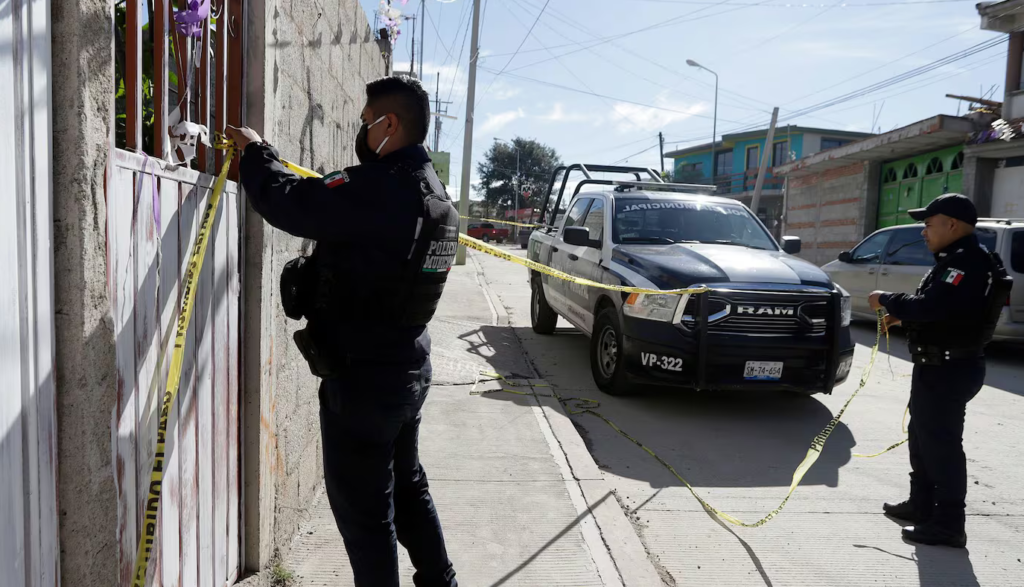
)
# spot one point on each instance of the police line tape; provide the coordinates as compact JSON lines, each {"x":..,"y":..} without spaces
{"x":188,"y":296}
{"x":582,"y":405}
{"x":495,"y":220}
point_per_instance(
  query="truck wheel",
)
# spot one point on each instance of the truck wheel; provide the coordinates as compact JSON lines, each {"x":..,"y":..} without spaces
{"x":501,"y":241}
{"x":523,"y":245}
{"x":542,"y":317}
{"x":486,"y":238}
{"x":607,"y":362}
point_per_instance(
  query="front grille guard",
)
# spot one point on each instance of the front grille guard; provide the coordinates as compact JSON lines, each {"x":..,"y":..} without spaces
{"x":832,"y":327}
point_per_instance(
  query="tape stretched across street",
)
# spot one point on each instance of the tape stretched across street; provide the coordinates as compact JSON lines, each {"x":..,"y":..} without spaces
{"x":539,"y":267}
{"x":582,"y":405}
{"x":188,"y":297}
{"x":501,"y":221}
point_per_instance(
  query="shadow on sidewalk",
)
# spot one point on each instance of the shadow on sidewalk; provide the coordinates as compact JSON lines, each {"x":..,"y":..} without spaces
{"x":713,"y":439}
{"x":1003,"y":359}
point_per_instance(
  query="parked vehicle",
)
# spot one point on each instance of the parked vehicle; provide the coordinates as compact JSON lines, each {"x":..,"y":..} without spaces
{"x":524,"y":236}
{"x":897,"y":259}
{"x":770,"y":321}
{"x":487,"y":233}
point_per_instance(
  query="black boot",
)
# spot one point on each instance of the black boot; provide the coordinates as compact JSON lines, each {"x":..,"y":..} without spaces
{"x":933,"y":534}
{"x":915,"y":512}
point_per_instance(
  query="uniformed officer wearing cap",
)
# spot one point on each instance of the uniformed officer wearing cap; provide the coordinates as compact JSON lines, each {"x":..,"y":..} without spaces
{"x":386,"y":234}
{"x":949,"y":320}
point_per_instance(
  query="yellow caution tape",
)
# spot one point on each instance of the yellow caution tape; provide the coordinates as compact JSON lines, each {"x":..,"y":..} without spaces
{"x":582,"y":405}
{"x":539,"y":267}
{"x":903,"y":425}
{"x":501,"y":221}
{"x":188,"y":296}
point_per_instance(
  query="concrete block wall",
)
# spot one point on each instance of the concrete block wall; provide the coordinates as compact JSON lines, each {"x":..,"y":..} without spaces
{"x":830,"y":211}
{"x":82,"y":94}
{"x":307,"y":67}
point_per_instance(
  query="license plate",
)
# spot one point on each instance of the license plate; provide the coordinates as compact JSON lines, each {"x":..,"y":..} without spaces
{"x":763,"y":370}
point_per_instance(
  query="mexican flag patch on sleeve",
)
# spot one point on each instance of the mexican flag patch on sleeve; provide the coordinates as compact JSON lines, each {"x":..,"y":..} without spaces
{"x":335,"y":179}
{"x":953,"y":276}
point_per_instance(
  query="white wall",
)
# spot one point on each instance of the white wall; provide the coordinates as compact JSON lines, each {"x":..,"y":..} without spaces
{"x":1008,"y":193}
{"x":812,"y":144}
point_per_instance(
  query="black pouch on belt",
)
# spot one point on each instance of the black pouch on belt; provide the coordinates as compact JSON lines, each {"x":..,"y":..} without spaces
{"x":295,"y":287}
{"x":321,"y":362}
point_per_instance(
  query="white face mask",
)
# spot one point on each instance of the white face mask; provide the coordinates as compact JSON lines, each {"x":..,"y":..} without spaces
{"x":385,"y":141}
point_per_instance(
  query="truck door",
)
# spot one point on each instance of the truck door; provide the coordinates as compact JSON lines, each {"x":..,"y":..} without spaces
{"x":557,"y":290}
{"x":906,"y":261}
{"x":586,"y":262}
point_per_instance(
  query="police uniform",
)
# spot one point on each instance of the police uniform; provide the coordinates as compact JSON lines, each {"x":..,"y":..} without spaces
{"x":948,"y":320}
{"x":386,"y":234}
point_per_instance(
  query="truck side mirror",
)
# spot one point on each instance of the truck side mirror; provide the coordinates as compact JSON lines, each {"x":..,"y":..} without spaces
{"x":579,"y":236}
{"x":845,"y":257}
{"x":791,"y":244}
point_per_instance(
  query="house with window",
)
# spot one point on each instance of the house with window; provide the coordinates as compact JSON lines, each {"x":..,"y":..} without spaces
{"x":737,"y":157}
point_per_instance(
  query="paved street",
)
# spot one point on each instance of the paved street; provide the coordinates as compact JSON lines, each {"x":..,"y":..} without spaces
{"x":739,"y":451}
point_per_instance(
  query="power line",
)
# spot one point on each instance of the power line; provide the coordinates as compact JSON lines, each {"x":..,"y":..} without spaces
{"x":776,"y":5}
{"x":509,"y":62}
{"x":635,"y":154}
{"x":589,"y":93}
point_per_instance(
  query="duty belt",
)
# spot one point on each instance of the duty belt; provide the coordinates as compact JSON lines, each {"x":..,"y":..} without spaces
{"x":933,"y":355}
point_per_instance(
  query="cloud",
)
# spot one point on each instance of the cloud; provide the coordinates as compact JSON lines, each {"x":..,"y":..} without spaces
{"x":449,"y":74}
{"x":498,"y":121}
{"x":558,"y":114}
{"x":633,"y":117}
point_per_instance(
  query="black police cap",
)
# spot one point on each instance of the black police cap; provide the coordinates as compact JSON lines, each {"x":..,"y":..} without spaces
{"x":952,"y":205}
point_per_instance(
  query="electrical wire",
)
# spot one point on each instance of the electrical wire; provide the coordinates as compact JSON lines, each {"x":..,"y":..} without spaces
{"x":509,"y":62}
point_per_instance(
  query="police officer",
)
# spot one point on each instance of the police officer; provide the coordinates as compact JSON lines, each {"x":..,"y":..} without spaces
{"x":386,"y":234}
{"x":949,"y":320}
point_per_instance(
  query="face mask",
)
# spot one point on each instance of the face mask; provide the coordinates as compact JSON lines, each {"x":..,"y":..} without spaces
{"x":364,"y":152}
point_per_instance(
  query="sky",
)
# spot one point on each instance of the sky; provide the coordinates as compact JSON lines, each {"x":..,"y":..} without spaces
{"x":599,"y":79}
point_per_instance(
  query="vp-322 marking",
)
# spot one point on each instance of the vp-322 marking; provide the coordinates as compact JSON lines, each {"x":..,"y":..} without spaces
{"x":666,"y":363}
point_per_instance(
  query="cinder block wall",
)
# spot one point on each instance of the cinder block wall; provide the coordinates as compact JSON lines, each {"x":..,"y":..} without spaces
{"x":308,"y":64}
{"x":833,"y":210}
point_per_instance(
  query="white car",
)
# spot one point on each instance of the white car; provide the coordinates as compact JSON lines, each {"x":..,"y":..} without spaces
{"x":896,"y":259}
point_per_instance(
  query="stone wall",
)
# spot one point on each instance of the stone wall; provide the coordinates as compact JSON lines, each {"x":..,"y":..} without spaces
{"x":82,"y":94}
{"x":833,"y":210}
{"x":307,"y":67}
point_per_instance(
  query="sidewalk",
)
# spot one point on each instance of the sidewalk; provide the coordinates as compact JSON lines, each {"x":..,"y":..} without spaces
{"x":520,"y":498}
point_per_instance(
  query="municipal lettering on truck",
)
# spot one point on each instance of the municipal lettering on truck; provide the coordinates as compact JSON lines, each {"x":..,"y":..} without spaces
{"x":770,"y":321}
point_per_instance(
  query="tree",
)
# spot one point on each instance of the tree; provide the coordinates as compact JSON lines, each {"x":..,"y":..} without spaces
{"x":499,"y":181}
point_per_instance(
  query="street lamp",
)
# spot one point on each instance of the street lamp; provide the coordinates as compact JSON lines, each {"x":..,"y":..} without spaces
{"x":714,"y":123}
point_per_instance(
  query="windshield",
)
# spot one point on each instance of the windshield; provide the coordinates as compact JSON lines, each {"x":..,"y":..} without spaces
{"x":667,"y":222}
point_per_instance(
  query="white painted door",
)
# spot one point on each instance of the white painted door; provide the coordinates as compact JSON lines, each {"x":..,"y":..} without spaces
{"x":29,"y":553}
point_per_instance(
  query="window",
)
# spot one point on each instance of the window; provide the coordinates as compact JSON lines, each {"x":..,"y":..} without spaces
{"x":1017,"y":251}
{"x":595,"y":220}
{"x":934,"y":166}
{"x":890,"y":176}
{"x":668,"y":221}
{"x":870,"y":250}
{"x":780,"y":153}
{"x":577,"y":212}
{"x":827,"y":144}
{"x":690,"y":173}
{"x":958,"y":162}
{"x":486,"y":225}
{"x":910,"y":172}
{"x":907,"y":247}
{"x":723,"y":165}
{"x":752,"y":158}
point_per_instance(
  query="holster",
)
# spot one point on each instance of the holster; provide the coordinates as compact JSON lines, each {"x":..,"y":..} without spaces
{"x":322,"y":362}
{"x":296,"y":287}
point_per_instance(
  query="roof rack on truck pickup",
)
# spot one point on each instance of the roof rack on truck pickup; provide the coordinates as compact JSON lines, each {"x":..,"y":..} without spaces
{"x":769,"y":321}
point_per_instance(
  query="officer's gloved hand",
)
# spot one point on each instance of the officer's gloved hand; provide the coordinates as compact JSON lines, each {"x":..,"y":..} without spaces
{"x":242,"y":136}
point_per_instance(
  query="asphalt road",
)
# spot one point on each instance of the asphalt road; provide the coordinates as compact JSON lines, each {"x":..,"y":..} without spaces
{"x":738,"y":450}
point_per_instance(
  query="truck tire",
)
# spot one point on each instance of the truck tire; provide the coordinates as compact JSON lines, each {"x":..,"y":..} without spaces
{"x":607,"y":362}
{"x":523,"y":245}
{"x":501,"y":240}
{"x":542,"y":317}
{"x":486,"y":238}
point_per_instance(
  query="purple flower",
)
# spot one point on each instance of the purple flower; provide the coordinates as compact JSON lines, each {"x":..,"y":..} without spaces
{"x":190,"y":21}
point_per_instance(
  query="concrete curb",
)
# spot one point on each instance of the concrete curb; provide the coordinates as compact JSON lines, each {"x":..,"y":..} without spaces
{"x":619,"y":554}
{"x":500,"y":314}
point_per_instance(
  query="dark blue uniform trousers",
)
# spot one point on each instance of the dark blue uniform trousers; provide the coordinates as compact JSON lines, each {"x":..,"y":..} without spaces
{"x":938,"y":404}
{"x":369,"y":419}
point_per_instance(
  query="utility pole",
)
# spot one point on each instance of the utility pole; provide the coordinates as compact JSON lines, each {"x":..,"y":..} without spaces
{"x":423,"y":37}
{"x":437,"y":119}
{"x":661,"y":148}
{"x":765,"y":158}
{"x":412,"y":59}
{"x":467,"y":142}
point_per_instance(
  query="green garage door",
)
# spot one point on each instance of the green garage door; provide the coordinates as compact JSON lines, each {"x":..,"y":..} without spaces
{"x":916,"y":181}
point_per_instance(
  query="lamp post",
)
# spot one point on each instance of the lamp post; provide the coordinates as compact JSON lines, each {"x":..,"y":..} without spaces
{"x":714,"y":123}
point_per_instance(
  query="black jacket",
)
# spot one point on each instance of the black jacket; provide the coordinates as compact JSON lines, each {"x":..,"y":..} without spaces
{"x":364,"y":221}
{"x":950,"y":306}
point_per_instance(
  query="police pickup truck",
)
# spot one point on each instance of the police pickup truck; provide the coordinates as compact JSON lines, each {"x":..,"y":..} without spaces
{"x":770,"y":321}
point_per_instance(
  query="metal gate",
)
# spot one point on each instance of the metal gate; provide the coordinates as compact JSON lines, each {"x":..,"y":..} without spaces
{"x":153,"y":213}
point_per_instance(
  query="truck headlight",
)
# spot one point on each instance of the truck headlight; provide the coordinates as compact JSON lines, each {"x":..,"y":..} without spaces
{"x":846,"y":309}
{"x":661,"y":307}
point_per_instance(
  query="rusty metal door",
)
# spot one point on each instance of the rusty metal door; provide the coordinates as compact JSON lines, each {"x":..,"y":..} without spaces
{"x":153,"y":211}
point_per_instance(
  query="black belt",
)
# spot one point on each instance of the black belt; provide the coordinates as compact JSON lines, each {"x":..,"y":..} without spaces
{"x":933,"y":355}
